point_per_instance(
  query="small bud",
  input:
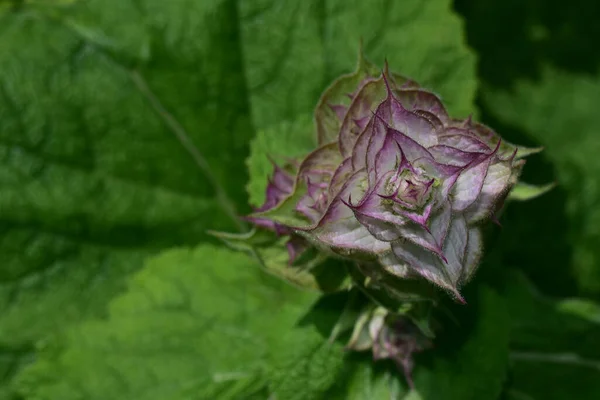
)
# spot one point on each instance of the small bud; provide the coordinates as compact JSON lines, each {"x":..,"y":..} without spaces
{"x":389,"y":336}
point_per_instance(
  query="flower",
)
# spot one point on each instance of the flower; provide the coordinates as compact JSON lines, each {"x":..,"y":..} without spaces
{"x":395,"y":183}
{"x":389,"y":336}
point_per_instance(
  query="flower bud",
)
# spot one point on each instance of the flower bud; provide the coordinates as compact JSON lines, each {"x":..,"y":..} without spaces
{"x":395,"y":182}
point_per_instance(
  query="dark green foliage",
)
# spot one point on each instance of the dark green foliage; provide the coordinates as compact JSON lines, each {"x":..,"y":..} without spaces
{"x":128,"y":128}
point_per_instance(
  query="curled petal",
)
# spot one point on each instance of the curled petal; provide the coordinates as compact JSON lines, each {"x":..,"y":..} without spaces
{"x":327,"y":121}
{"x":340,"y":176}
{"x":395,"y":266}
{"x":473,"y":254}
{"x":486,"y":134}
{"x":322,"y":161}
{"x":494,"y":189}
{"x":432,"y":118}
{"x":469,"y":183}
{"x":362,"y":122}
{"x":374,"y":208}
{"x":445,"y":274}
{"x":386,"y":157}
{"x":295,"y":246}
{"x":340,"y":230}
{"x":455,"y":247}
{"x":453,"y":156}
{"x":339,"y":110}
{"x":421,"y":99}
{"x":413,"y":125}
{"x":360,"y":150}
{"x":418,"y":126}
{"x":380,"y":229}
{"x":366,"y":100}
{"x":429,"y":237}
{"x":278,"y":188}
{"x":464,"y":140}
{"x":377,"y":135}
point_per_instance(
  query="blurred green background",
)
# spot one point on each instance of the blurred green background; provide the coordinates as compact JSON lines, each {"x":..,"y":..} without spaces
{"x":124,"y":130}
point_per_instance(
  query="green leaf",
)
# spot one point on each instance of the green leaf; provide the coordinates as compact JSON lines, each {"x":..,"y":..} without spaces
{"x":523,"y":151}
{"x":368,"y":381}
{"x":305,"y":365}
{"x":308,"y":363}
{"x":312,"y":270}
{"x":280,"y":143}
{"x":552,"y":341}
{"x":294,"y":49}
{"x":116,"y":120}
{"x":469,"y":365}
{"x":121,"y":122}
{"x":559,"y":111}
{"x":193,"y":324}
{"x":582,"y":308}
{"x":524,"y":191}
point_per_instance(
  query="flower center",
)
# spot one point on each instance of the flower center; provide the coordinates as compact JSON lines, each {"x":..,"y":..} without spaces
{"x":410,"y":188}
{"x":414,"y":191}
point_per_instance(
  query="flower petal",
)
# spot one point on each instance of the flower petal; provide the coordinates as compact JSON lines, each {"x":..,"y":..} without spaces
{"x":395,"y":144}
{"x":362,"y":122}
{"x":455,"y":247}
{"x":452,"y":156}
{"x":371,"y":94}
{"x":464,"y":140}
{"x":295,"y":246}
{"x":430,"y":266}
{"x":473,"y":254}
{"x":339,"y":110}
{"x":374,"y":209}
{"x":340,"y":230}
{"x":359,"y":152}
{"x":326,"y":120}
{"x":469,"y":183}
{"x":494,"y":188}
{"x":340,"y":176}
{"x":414,"y":126}
{"x":323,"y":160}
{"x":395,"y":266}
{"x":430,"y":238}
{"x":422,"y":100}
{"x":425,"y":264}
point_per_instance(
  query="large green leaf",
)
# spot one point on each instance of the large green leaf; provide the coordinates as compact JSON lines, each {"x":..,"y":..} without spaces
{"x":305,"y":365}
{"x":278,"y":143}
{"x":469,"y":363}
{"x":559,"y":111}
{"x":295,"y":48}
{"x":367,"y":381}
{"x":555,"y":350}
{"x":193,"y":324}
{"x":116,"y":127}
{"x":121,"y":122}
